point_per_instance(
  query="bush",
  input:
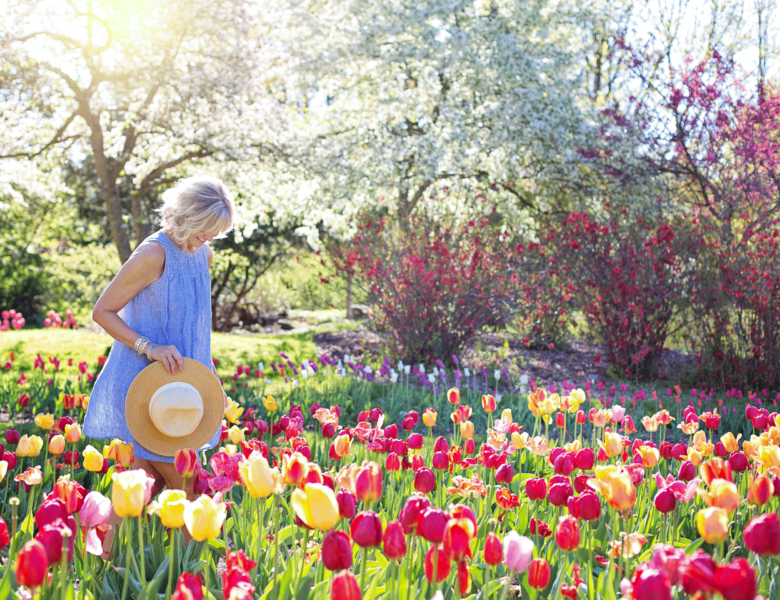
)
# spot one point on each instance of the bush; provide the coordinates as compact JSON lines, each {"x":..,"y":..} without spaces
{"x":629,"y":277}
{"x":434,"y":287}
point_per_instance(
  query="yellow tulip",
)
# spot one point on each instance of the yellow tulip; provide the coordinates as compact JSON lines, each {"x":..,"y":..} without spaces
{"x":613,"y":444}
{"x":429,"y":417}
{"x":3,"y":469}
{"x":615,"y":484}
{"x":713,"y":524}
{"x":230,"y":449}
{"x":72,"y":433}
{"x":651,"y":424}
{"x":170,"y":506}
{"x":769,"y":456}
{"x":750,"y":448}
{"x":129,"y":492}
{"x":316,"y":506}
{"x":204,"y":518}
{"x":57,"y":445}
{"x":122,"y":453}
{"x":29,"y":446}
{"x":519,"y":440}
{"x":730,"y":443}
{"x":45,"y":421}
{"x":467,"y":430}
{"x":578,"y":395}
{"x":649,"y":456}
{"x":694,"y":456}
{"x":270,"y":404}
{"x":236,"y":434}
{"x":574,"y":446}
{"x":342,"y":446}
{"x":256,"y":475}
{"x":722,"y":494}
{"x":93,"y":460}
{"x":506,"y":415}
{"x":233,"y":411}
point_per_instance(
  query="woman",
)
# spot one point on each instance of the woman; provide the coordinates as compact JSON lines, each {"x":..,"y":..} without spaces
{"x":158,"y":308}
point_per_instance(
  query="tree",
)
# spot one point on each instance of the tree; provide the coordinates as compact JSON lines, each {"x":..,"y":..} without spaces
{"x":144,"y":88}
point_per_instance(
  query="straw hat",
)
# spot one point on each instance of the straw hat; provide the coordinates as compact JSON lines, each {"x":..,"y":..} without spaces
{"x":166,"y":413}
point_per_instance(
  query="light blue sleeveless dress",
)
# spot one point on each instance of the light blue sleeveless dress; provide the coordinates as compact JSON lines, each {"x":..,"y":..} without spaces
{"x":174,"y":310}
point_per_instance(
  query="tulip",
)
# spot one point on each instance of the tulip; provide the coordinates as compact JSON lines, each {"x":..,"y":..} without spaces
{"x":29,"y":446}
{"x":368,"y":483}
{"x":342,"y":445}
{"x":71,"y":493}
{"x":488,"y":403}
{"x":257,"y":475}
{"x":664,"y":501}
{"x":539,"y":573}
{"x":651,"y":584}
{"x":457,"y":537}
{"x":129,"y":492}
{"x":736,"y":580}
{"x":588,"y":507}
{"x":431,"y":524}
{"x":366,"y":529}
{"x":124,"y":454}
{"x":5,"y":536}
{"x":518,"y":552}
{"x":45,"y":421}
{"x":504,"y":474}
{"x":424,"y":481}
{"x":730,"y":443}
{"x":687,"y":471}
{"x":724,"y":494}
{"x":270,"y":404}
{"x":613,"y":444}
{"x":415,"y":441}
{"x":493,"y":553}
{"x":57,"y":445}
{"x":713,"y":524}
{"x":347,"y":504}
{"x":762,"y":535}
{"x":585,"y":459}
{"x":344,"y":586}
{"x":336,"y":551}
{"x":316,"y":506}
{"x":186,"y":462}
{"x":12,"y":437}
{"x":738,"y":462}
{"x":567,"y":533}
{"x":170,"y":506}
{"x":233,"y":411}
{"x":453,"y":396}
{"x":31,"y":564}
{"x":760,"y":491}
{"x":649,"y":456}
{"x":294,"y":468}
{"x":429,"y":417}
{"x":72,"y":433}
{"x":188,"y":587}
{"x":438,"y":556}
{"x":204,"y":518}
{"x":615,"y":485}
{"x":52,"y":539}
{"x":93,"y":460}
{"x":95,"y":510}
{"x":394,"y":542}
{"x":411,"y":512}
{"x":467,"y":430}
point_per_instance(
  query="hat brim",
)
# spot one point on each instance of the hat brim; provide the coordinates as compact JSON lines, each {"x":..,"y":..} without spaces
{"x":148,"y":381}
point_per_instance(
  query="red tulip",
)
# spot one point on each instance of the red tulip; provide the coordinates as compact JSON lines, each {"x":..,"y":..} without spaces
{"x":585,"y":459}
{"x":51,"y":538}
{"x":738,"y":462}
{"x":31,"y":564}
{"x":343,"y":586}
{"x":431,"y":525}
{"x":392,"y":462}
{"x":366,"y":529}
{"x":687,"y":471}
{"x":457,"y":538}
{"x":651,"y":584}
{"x":11,"y":459}
{"x":536,"y":489}
{"x":336,"y":551}
{"x":440,"y":461}
{"x":699,"y":574}
{"x":72,"y":493}
{"x":347,"y":504}
{"x":415,"y":441}
{"x":424,"y":481}
{"x":394,"y":542}
{"x":410,"y":513}
{"x":736,"y":580}
{"x":5,"y":537}
{"x":762,"y":535}
{"x":539,"y":573}
{"x":664,"y":501}
{"x":188,"y":587}
{"x":441,"y":445}
{"x":52,"y":509}
{"x":186,"y":462}
{"x":12,"y":437}
{"x":368,"y":483}
{"x":505,"y":473}
{"x":442,"y":561}
{"x":494,"y":553}
{"x":567,"y":533}
{"x":560,"y":492}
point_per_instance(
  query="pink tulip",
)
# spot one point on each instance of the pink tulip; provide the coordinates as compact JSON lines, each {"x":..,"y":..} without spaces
{"x":518,"y":552}
{"x":96,"y":510}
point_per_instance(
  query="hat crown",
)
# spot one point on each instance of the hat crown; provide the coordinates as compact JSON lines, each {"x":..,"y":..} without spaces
{"x":176,"y":409}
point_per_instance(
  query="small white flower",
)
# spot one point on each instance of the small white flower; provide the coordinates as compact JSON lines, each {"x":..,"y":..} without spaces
{"x":407,"y":368}
{"x":305,"y":373}
{"x":431,"y":378}
{"x":435,"y":371}
{"x":393,"y":376}
{"x":497,"y":374}
{"x":261,"y":366}
{"x":466,"y":372}
{"x":422,"y":368}
{"x":369,"y":369}
{"x":524,"y":379}
{"x":295,"y":383}
{"x":400,"y":366}
{"x":339,"y":365}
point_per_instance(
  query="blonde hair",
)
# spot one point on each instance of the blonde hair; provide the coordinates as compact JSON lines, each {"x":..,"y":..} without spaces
{"x":199,"y":203}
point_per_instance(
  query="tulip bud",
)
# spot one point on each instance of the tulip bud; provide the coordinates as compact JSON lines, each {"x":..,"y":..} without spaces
{"x":347,"y":504}
{"x":366,"y":529}
{"x":664,"y":501}
{"x":336,"y":551}
{"x":687,"y":471}
{"x":539,"y":574}
{"x":424,"y":481}
{"x":394,"y":542}
{"x":31,"y":564}
{"x":410,"y":513}
{"x":431,"y":525}
{"x":567,"y":533}
{"x":344,"y":586}
{"x":493,"y":554}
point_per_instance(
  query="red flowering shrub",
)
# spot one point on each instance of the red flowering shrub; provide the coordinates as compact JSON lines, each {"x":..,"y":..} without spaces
{"x":627,"y":278}
{"x":435,"y":287}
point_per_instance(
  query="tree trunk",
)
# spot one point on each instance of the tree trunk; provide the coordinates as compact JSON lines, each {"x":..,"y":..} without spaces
{"x":140,"y":221}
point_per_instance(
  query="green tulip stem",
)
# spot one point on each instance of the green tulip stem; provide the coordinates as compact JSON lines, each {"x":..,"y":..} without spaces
{"x":303,"y":554}
{"x":127,"y":559}
{"x":206,"y":593}
{"x":363,"y":560}
{"x":171,"y":557}
{"x":276,"y":547}
{"x":64,"y":569}
{"x":506,"y":588}
{"x":259,"y":529}
{"x":142,"y":554}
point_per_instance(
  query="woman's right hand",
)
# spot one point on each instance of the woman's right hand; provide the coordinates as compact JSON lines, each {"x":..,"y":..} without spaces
{"x":169,"y":356}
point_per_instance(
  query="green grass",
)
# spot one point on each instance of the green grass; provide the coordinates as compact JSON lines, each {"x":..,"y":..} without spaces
{"x":83,"y":345}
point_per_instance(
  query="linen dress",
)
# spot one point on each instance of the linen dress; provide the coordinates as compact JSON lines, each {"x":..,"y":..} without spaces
{"x":174,"y":310}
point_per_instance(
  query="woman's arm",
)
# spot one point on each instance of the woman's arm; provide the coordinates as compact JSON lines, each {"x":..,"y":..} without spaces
{"x":144,"y":266}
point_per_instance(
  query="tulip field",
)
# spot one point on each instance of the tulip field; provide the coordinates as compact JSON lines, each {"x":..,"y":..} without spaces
{"x":340,"y":480}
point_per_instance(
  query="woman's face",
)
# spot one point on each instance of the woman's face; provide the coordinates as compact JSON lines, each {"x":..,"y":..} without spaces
{"x":198,"y":239}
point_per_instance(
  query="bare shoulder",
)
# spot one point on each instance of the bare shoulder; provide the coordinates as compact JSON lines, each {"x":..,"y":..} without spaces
{"x":147,"y":259}
{"x":210,"y":254}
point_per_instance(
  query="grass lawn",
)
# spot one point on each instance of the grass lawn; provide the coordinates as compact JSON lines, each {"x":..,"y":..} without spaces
{"x":84,"y":345}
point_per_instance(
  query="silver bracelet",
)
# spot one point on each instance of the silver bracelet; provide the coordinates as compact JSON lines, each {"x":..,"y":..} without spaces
{"x":140,"y":344}
{"x":149,"y":349}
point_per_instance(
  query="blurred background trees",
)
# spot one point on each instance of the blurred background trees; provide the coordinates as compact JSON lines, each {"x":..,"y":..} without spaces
{"x":455,"y":124}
